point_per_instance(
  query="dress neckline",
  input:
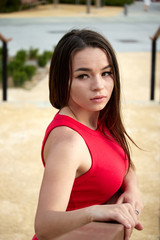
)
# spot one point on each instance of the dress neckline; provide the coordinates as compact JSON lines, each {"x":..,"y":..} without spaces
{"x":77,"y":123}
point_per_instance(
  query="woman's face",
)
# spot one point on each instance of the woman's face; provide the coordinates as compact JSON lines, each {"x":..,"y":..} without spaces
{"x":92,"y":80}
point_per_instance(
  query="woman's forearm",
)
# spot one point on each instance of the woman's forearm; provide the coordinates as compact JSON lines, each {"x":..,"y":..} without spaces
{"x":130,"y":191}
{"x":130,"y":180}
{"x":51,"y":224}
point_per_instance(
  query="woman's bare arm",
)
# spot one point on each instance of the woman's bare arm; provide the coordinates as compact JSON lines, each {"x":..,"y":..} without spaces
{"x":63,"y":156}
{"x":63,"y":152}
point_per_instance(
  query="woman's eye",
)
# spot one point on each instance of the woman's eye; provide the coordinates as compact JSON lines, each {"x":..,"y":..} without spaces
{"x":82,"y":76}
{"x":105,"y":74}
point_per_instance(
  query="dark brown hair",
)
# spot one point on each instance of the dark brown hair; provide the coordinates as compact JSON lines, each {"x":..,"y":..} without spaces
{"x":60,"y":80}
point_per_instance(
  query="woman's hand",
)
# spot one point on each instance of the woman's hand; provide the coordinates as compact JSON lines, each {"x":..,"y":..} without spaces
{"x":130,"y":191}
{"x":135,"y":200}
{"x":131,"y":195}
{"x":123,"y":213}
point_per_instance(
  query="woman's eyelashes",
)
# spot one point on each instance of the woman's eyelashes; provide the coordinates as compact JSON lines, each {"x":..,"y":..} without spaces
{"x":82,"y":76}
{"x":105,"y":74}
{"x":85,"y":76}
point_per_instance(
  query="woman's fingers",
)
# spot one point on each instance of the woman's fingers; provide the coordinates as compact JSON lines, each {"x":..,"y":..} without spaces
{"x":130,"y":214}
{"x":122,"y":213}
{"x":138,"y":210}
{"x":125,"y":214}
{"x":127,"y":233}
{"x":135,"y":223}
{"x":139,"y":226}
{"x":134,"y":214}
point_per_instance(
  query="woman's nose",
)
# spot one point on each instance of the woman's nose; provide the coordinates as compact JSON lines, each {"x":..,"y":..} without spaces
{"x":97,"y":83}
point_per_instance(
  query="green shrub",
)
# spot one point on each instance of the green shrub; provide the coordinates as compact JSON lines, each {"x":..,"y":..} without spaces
{"x":42,"y":60}
{"x":117,"y":2}
{"x":19,"y":78}
{"x":9,"y":5}
{"x":20,"y":71}
{"x":30,"y":71}
{"x":47,"y":55}
{"x":1,"y":51}
{"x":21,"y":55}
{"x":0,"y":74}
{"x":14,"y":65}
{"x":13,"y":5}
{"x":33,"y":53}
{"x":105,"y":2}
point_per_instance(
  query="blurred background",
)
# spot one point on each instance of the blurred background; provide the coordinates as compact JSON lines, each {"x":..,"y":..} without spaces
{"x":29,"y":31}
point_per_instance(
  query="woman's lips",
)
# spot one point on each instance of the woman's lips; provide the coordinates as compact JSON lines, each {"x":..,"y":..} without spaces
{"x":98,"y":99}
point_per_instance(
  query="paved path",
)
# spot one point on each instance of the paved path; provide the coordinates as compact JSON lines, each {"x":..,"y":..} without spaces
{"x":129,"y":33}
{"x":26,"y":114}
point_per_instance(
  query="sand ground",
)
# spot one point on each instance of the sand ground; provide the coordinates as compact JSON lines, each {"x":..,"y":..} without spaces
{"x":51,"y":10}
{"x":23,"y":120}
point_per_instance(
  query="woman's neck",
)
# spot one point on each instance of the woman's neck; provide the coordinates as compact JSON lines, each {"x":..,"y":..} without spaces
{"x":89,"y":119}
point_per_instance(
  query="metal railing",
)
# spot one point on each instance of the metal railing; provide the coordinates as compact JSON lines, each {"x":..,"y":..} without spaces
{"x":153,"y":63}
{"x":96,"y":231}
{"x":4,"y":65}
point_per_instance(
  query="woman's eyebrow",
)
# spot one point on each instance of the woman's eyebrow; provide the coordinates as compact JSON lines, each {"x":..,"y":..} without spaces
{"x":89,"y":70}
{"x":83,"y":69}
{"x":106,"y":67}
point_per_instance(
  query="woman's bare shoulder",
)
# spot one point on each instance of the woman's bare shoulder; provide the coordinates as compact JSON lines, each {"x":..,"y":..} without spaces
{"x":63,"y":134}
{"x":63,"y":141}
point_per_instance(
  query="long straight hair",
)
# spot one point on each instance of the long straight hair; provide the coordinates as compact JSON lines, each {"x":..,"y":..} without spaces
{"x":60,"y":81}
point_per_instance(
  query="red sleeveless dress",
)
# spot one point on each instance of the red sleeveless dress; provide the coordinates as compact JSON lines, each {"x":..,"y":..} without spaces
{"x":109,"y":165}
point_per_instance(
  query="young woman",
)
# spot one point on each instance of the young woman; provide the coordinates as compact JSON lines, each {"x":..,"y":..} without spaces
{"x":85,"y":150}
